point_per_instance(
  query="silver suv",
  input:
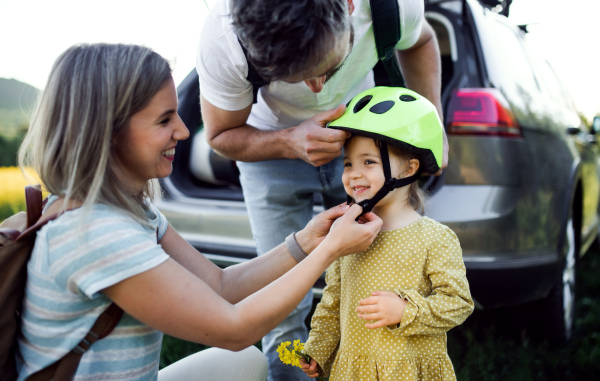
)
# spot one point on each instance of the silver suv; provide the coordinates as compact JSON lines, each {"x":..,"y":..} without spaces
{"x":522,"y":186}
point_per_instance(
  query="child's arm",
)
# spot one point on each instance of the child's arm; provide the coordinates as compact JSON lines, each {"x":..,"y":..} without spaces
{"x":324,"y":337}
{"x":448,"y":305}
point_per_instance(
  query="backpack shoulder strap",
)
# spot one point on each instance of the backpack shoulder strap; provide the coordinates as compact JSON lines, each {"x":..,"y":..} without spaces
{"x":386,"y":27}
{"x":253,"y":77}
{"x":33,"y":200}
{"x":65,"y":368}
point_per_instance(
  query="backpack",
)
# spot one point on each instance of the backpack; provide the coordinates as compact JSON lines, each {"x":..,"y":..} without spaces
{"x":17,"y":238}
{"x":387,"y":31}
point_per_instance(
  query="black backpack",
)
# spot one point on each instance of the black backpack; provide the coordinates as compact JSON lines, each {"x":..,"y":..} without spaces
{"x":17,"y":238}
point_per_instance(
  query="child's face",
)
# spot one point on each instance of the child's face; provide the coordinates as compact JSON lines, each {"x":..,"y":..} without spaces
{"x":363,"y":170}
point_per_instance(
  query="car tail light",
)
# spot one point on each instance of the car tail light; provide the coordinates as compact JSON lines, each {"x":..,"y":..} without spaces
{"x":481,"y":112}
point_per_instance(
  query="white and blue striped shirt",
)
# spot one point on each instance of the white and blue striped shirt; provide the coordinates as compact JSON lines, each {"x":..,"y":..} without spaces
{"x":75,"y":257}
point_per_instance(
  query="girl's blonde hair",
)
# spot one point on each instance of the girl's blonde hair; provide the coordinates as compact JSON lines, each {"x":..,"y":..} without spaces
{"x":91,"y":94}
{"x":417,"y":197}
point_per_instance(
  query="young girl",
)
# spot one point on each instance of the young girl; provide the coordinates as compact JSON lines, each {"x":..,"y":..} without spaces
{"x":105,"y":129}
{"x":385,"y":312}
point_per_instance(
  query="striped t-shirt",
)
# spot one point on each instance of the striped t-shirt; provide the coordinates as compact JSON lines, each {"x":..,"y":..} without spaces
{"x":74,"y":258}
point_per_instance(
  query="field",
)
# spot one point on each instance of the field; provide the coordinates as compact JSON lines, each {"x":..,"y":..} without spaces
{"x":12,"y":194}
{"x":491,"y":345}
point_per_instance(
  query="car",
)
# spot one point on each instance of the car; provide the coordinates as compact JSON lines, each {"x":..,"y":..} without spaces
{"x":521,"y":190}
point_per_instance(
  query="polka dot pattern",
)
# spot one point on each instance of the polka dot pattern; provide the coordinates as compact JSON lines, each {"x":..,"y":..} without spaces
{"x":422,"y":263}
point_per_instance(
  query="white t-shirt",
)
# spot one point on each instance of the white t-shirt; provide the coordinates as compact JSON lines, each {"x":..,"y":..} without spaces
{"x":222,"y":68}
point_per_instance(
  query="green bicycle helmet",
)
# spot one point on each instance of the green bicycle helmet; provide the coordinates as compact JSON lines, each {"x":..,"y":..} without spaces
{"x":400,"y":117}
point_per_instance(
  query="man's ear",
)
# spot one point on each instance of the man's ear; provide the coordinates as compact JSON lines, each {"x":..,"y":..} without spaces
{"x":350,"y":7}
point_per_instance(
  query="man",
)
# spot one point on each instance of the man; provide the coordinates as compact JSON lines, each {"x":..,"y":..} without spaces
{"x":317,"y":55}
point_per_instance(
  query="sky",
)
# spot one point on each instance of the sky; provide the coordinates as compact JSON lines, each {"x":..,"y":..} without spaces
{"x":33,"y":33}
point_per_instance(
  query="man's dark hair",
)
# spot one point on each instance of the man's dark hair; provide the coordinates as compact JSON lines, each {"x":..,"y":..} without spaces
{"x":285,"y":38}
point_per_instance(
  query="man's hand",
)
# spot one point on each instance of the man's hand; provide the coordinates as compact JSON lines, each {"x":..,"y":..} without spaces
{"x":314,"y":143}
{"x":383,"y":307}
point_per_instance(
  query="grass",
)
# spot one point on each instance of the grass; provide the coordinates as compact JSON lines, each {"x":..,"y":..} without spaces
{"x":488,"y":347}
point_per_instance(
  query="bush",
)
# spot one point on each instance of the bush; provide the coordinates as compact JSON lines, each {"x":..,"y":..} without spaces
{"x":9,"y":146}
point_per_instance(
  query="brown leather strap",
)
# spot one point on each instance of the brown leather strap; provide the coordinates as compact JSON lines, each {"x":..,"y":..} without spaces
{"x":65,"y":368}
{"x":33,"y":200}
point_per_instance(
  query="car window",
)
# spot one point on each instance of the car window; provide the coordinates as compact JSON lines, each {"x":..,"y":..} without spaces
{"x":508,"y":66}
{"x":563,"y":107}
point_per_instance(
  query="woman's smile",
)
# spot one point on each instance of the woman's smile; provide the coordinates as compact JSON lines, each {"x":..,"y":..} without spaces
{"x":169,"y":154}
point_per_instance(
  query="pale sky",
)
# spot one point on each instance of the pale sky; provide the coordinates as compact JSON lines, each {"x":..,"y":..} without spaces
{"x":34,"y":32}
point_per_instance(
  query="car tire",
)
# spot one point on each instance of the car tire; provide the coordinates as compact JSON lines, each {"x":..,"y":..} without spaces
{"x":559,"y":306}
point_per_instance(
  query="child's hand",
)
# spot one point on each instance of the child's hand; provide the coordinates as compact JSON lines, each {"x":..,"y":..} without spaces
{"x":312,"y":370}
{"x":384,"y":307}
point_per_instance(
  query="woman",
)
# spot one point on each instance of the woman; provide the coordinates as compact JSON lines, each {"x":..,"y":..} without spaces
{"x":105,"y":129}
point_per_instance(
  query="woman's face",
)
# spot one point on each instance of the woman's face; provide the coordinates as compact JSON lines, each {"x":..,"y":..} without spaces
{"x":145,"y":149}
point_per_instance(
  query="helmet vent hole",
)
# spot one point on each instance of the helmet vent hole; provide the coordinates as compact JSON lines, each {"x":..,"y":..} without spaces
{"x":407,"y":98}
{"x":382,"y":107}
{"x":362,"y":103}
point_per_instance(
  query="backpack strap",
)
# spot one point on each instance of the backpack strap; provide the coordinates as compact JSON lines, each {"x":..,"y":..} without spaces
{"x":253,"y":77}
{"x":33,"y":200}
{"x":387,"y":31}
{"x":65,"y":368}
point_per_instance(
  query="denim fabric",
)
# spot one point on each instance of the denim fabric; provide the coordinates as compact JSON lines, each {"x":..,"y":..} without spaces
{"x":279,"y":196}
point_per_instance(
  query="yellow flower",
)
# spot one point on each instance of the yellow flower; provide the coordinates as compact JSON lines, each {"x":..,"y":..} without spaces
{"x":293,"y":357}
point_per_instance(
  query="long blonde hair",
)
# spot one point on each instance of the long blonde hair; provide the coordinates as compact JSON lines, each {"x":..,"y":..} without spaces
{"x":91,"y":94}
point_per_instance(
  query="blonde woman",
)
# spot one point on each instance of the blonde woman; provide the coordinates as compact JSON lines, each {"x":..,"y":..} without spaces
{"x":105,"y":129}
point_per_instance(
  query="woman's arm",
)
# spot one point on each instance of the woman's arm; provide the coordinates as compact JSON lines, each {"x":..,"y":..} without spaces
{"x":237,"y":282}
{"x":175,"y":300}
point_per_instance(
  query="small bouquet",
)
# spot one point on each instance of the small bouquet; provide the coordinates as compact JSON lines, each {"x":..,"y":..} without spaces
{"x":293,"y":357}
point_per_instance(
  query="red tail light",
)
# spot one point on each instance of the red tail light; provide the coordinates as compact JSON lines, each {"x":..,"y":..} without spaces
{"x":481,"y":112}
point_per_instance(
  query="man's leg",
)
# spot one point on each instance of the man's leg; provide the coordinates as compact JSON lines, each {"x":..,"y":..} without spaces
{"x":279,"y":198}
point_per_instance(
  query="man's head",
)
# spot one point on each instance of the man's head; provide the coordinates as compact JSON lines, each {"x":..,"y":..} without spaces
{"x":294,"y":40}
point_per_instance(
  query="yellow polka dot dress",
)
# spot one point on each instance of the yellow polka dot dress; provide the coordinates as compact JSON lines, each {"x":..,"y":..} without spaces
{"x":422,"y":263}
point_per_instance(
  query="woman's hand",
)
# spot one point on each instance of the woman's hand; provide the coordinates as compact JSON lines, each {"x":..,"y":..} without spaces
{"x":383,"y":307}
{"x":316,"y":230}
{"x":348,"y":236}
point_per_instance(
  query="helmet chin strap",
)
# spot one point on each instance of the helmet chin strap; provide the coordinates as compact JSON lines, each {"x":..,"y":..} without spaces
{"x":389,"y":185}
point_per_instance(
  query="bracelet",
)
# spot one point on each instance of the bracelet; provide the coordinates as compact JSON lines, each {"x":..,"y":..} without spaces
{"x":294,"y":248}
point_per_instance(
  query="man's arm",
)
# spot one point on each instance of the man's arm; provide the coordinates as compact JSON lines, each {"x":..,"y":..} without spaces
{"x":229,"y":134}
{"x":422,"y":71}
